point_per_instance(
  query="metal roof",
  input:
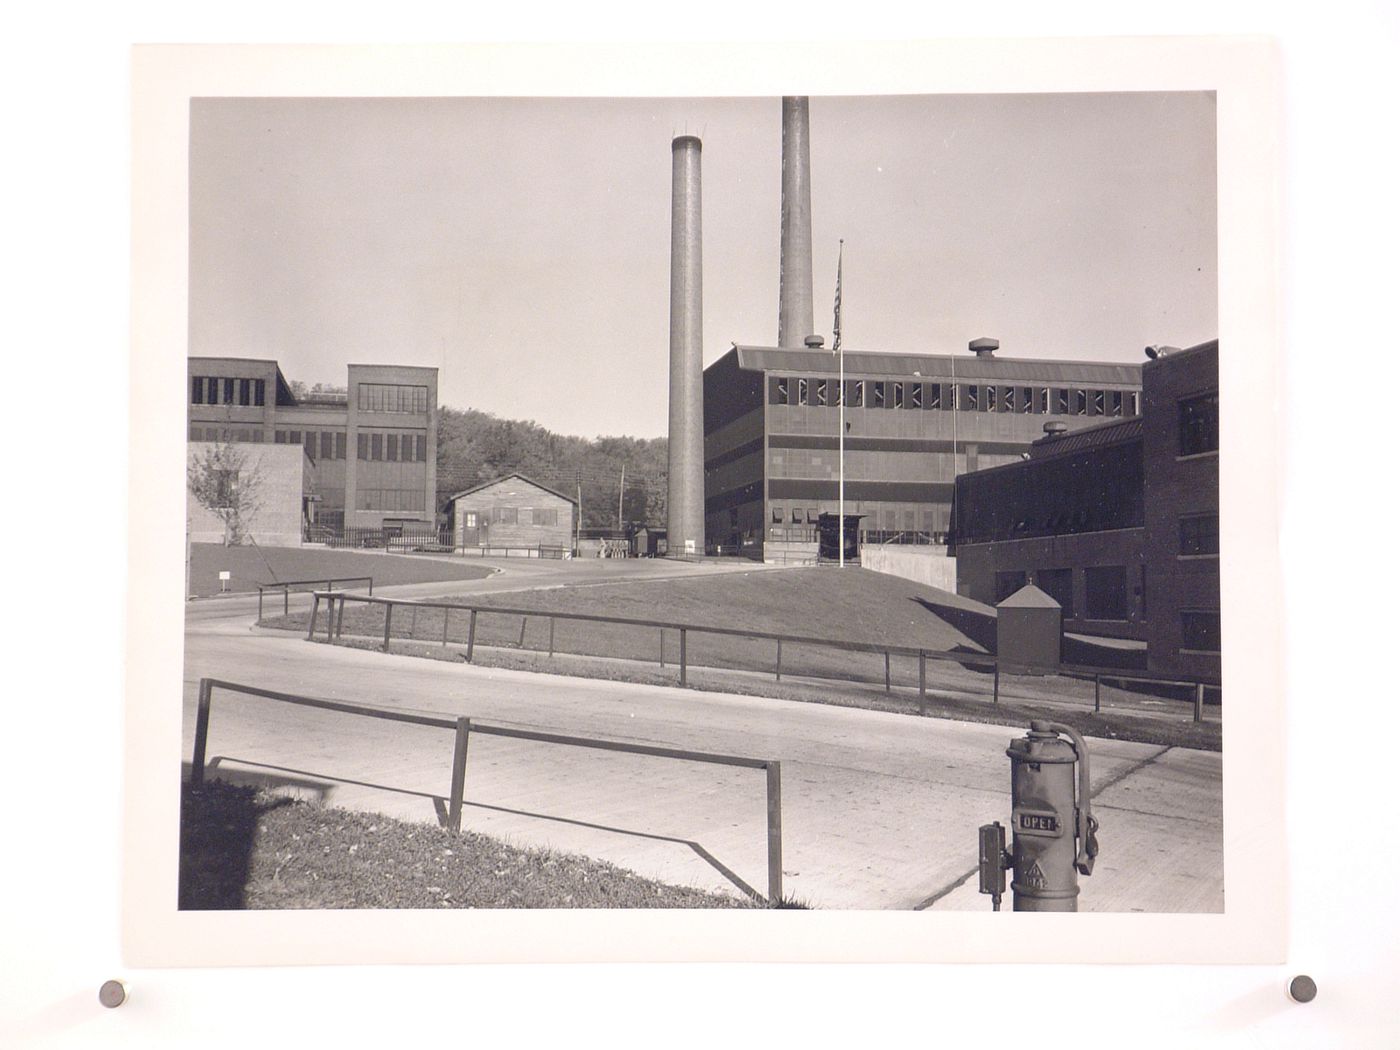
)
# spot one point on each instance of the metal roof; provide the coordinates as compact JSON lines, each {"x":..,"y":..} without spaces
{"x":506,"y":477}
{"x":1115,"y":432}
{"x":939,"y":366}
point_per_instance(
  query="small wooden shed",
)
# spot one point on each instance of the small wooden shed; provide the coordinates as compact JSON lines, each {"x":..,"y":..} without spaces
{"x":1029,"y":630}
{"x":513,"y":512}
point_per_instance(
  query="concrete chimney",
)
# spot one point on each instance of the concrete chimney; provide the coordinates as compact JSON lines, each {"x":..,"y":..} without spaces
{"x":795,"y":261}
{"x":685,"y":493}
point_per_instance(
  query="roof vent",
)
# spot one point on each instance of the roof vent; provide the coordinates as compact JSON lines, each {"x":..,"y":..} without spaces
{"x":813,"y":342}
{"x":1055,"y":428}
{"x":1155,"y":351}
{"x":984,"y":347}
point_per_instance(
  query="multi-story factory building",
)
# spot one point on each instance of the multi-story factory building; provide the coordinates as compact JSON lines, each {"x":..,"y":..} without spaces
{"x":1120,"y":523}
{"x":913,"y":423}
{"x":372,"y":447}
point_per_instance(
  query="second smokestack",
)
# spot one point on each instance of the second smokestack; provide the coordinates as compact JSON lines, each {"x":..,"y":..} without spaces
{"x":685,"y":490}
{"x":795,"y":261}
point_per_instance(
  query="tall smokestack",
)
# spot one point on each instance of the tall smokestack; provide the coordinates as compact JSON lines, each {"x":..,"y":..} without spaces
{"x":685,"y":493}
{"x":795,"y":263}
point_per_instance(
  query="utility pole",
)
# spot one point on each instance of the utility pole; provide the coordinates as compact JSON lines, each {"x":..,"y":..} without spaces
{"x":622,"y":484}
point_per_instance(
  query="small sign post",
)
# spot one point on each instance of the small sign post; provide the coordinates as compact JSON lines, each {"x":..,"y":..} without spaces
{"x":224,"y":577}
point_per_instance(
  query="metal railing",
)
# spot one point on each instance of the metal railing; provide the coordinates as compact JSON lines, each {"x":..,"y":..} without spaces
{"x":286,"y":587}
{"x":335,"y":615}
{"x":490,"y":550}
{"x":464,"y":726}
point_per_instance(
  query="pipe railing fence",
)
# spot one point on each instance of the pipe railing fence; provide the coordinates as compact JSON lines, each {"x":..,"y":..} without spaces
{"x":464,"y":726}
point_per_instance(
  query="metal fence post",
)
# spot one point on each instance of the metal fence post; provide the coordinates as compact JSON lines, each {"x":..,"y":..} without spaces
{"x":201,"y":732}
{"x":260,"y":594}
{"x":551,"y":637}
{"x":887,"y":671}
{"x":459,"y":774}
{"x":661,"y":645}
{"x":775,"y":833}
{"x":923,"y":683}
{"x":682,"y":656}
{"x":1097,"y":680}
{"x":413,"y":623}
{"x":1199,"y":711}
{"x":286,"y":600}
{"x":471,"y":636}
{"x":779,"y":676}
{"x":315,"y":607}
{"x":330,"y":617}
{"x":446,"y":612}
{"x":388,"y":619}
{"x":371,"y":586}
{"x":996,"y":682}
{"x":340,"y":618}
{"x":521,"y":643}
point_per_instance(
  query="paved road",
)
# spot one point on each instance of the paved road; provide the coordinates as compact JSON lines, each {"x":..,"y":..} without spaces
{"x":879,"y":810}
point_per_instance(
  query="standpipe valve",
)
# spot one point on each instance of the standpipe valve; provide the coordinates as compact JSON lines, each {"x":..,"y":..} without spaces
{"x":1053,"y":830}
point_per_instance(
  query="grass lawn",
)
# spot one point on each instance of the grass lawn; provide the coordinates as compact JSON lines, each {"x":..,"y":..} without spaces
{"x":856,"y":605}
{"x":252,"y":565}
{"x":243,"y":849}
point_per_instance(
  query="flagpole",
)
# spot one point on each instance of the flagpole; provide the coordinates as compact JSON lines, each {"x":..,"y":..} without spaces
{"x":840,"y":423}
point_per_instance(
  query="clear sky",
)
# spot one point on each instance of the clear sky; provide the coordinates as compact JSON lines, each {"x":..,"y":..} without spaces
{"x":522,"y":246}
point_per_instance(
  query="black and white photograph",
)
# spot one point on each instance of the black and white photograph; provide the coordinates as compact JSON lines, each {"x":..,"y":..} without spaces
{"x":792,"y":502}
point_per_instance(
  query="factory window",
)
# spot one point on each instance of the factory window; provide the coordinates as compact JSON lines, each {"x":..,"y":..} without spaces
{"x":1199,"y":425}
{"x":812,"y":513}
{"x":777,"y":514}
{"x":802,"y":391}
{"x":257,"y":437}
{"x":897,"y":395}
{"x":340,"y":446}
{"x":279,"y":437}
{"x":1115,"y":403}
{"x":1059,"y":584}
{"x":294,"y":437}
{"x":856,"y":394}
{"x":935,"y":397}
{"x":1008,"y":399}
{"x":777,"y":391}
{"x":916,"y":396}
{"x":877,"y":395}
{"x":821,"y":392}
{"x":989,"y":399}
{"x":1026,"y":402}
{"x":1061,"y":401}
{"x":309,"y":443}
{"x":211,"y":390}
{"x":245,"y":392}
{"x":967,"y":399}
{"x":797,"y":515}
{"x":421,"y":441}
{"x":390,"y":397}
{"x":1106,"y":592}
{"x":197,"y":390}
{"x":1042,"y":401}
{"x":1200,"y":630}
{"x":362,"y":446}
{"x":376,"y":447}
{"x":196,"y":433}
{"x":391,"y":447}
{"x":1007,"y":584}
{"x":1081,"y":402}
{"x":1200,"y":534}
{"x":228,"y":391}
{"x":260,"y":392}
{"x":327,"y":444}
{"x":1136,"y":397}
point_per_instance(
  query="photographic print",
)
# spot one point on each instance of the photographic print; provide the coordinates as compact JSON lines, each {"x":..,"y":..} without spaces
{"x":602,"y":504}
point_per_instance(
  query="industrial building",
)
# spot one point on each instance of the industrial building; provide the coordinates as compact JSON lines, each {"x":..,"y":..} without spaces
{"x":1119,"y":523}
{"x":372,"y":447}
{"x":914,"y":422}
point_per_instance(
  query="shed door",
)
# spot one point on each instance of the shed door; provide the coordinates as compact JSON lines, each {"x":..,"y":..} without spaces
{"x":473,"y":529}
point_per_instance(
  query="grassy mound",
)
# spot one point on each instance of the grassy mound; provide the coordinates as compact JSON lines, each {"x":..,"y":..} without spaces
{"x":245,"y":849}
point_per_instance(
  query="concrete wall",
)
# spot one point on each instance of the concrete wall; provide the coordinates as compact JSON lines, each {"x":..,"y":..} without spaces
{"x":927,"y":565}
{"x":285,"y":477}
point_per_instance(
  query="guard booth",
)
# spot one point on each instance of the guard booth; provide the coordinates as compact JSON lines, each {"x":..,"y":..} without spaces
{"x":828,"y":538}
{"x":1029,"y":631}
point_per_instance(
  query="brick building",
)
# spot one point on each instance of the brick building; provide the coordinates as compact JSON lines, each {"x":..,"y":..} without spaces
{"x":914,"y":422}
{"x":372,"y":447}
{"x":1119,"y":523}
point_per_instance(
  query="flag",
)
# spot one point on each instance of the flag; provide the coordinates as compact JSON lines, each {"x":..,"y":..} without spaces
{"x":836,"y":323}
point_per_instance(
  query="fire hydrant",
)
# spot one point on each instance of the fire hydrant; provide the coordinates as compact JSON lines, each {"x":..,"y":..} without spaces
{"x":1053,"y":830}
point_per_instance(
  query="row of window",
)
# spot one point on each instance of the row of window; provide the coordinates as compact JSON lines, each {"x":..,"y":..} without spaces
{"x":226,"y":434}
{"x":319,"y":444}
{"x":226,"y":390}
{"x":389,"y":499}
{"x":392,"y":448}
{"x":472,"y":519}
{"x":960,"y":397}
{"x":391,"y":397}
